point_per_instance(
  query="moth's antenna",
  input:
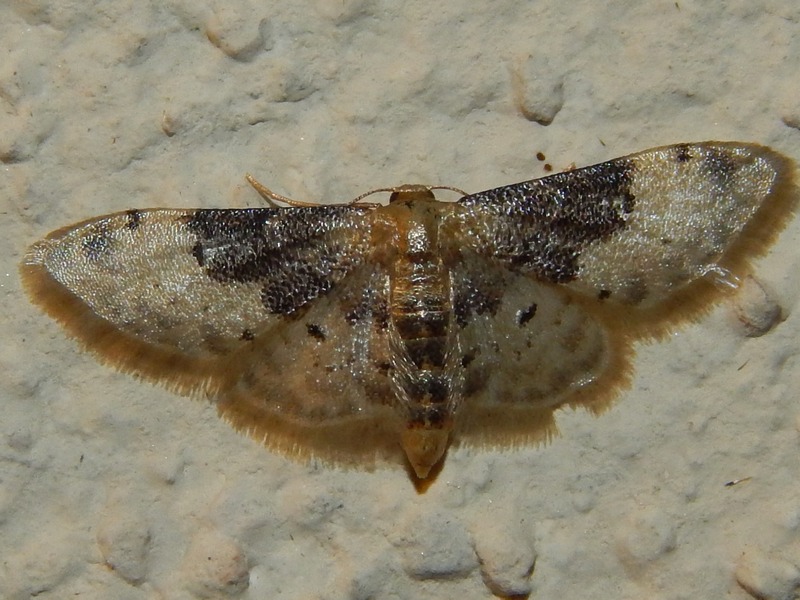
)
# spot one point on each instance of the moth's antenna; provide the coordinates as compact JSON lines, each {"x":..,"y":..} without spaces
{"x":408,"y":188}
{"x":272,"y":197}
{"x":275,"y":198}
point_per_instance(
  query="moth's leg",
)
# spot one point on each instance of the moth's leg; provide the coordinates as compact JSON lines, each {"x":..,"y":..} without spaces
{"x":273,"y":198}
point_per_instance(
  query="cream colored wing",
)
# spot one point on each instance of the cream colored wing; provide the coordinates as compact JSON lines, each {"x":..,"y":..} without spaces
{"x":527,"y":348}
{"x":171,"y":294}
{"x":642,"y":231}
{"x":319,"y":384}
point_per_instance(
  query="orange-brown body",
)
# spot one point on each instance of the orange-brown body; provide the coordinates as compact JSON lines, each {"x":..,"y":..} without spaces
{"x":406,"y":238}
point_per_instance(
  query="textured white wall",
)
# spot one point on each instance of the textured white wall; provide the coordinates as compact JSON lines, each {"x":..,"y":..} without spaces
{"x":114,"y":105}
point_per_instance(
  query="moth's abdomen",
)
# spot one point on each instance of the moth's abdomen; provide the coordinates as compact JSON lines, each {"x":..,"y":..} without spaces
{"x":420,"y":312}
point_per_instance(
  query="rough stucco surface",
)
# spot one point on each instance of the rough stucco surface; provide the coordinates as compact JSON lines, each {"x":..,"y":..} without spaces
{"x":112,"y":488}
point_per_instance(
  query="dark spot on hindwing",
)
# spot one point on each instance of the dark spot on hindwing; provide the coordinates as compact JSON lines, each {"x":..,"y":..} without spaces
{"x":526,"y":314}
{"x":383,"y":367}
{"x":356,"y":313}
{"x":603,"y":294}
{"x":468,"y":357}
{"x":316,"y":331}
{"x":474,"y":301}
{"x":380,"y":314}
{"x":247,"y":335}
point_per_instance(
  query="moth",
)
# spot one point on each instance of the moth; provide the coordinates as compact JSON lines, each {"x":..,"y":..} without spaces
{"x":362,"y":332}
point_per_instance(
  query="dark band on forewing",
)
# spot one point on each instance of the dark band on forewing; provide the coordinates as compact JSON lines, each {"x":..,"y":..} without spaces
{"x":277,"y":248}
{"x":544,"y":224}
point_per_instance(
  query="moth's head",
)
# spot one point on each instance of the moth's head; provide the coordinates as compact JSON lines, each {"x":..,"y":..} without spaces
{"x":411,"y":193}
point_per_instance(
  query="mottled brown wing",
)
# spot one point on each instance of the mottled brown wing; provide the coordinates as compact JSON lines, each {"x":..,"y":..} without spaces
{"x":639,"y":232}
{"x":319,"y":384}
{"x":527,"y":348}
{"x":173,"y":294}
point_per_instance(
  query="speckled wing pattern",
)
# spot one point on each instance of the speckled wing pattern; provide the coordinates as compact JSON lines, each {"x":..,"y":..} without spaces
{"x":613,"y":252}
{"x":188,"y":289}
{"x":355,"y":332}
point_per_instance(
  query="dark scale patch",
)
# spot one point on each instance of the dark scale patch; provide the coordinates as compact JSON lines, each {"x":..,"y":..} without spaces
{"x":428,"y":416}
{"x":421,"y":325}
{"x":553,"y":263}
{"x":636,"y":290}
{"x":428,"y":388}
{"x":475,"y":300}
{"x":477,"y":292}
{"x":356,"y":314}
{"x":543,"y":225}
{"x":96,"y":243}
{"x":296,"y":254}
{"x":134,"y":219}
{"x":315,"y":331}
{"x":682,"y":153}
{"x":720,"y":165}
{"x":604,"y":294}
{"x":526,"y":314}
{"x":247,"y":335}
{"x":360,"y":310}
{"x":468,"y":358}
{"x":287,"y":292}
{"x":380,"y":314}
{"x":427,"y":353}
{"x":424,"y":388}
{"x":197,"y":252}
{"x":372,"y":305}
